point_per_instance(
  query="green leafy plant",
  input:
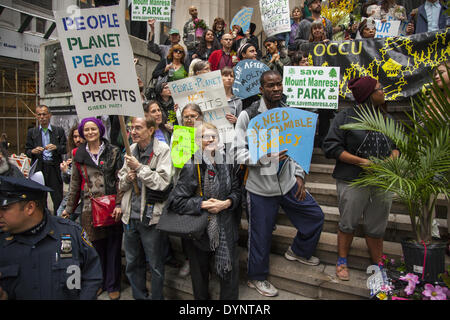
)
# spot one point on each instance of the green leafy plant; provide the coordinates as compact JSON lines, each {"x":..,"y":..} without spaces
{"x":421,"y":173}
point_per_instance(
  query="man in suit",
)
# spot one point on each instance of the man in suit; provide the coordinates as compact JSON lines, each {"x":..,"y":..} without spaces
{"x":47,"y":144}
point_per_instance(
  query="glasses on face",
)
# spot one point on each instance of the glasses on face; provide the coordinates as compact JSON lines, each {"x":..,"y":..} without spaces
{"x":135,"y":128}
{"x":208,"y":137}
{"x":226,"y":39}
{"x":379,"y":89}
{"x":178,"y":51}
{"x":41,"y":114}
{"x":188,"y":118}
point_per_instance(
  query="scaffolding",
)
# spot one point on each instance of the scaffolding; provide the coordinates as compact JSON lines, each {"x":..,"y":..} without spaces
{"x":19,"y":97}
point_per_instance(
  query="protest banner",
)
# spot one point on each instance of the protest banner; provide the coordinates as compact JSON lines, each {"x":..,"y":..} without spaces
{"x":387,"y":29}
{"x":208,"y":92}
{"x":144,"y":10}
{"x":275,"y":16}
{"x":246,"y":77}
{"x":99,"y":62}
{"x":242,"y":18}
{"x":403,"y":65}
{"x":311,"y":87}
{"x":183,"y":145}
{"x":283,"y":128}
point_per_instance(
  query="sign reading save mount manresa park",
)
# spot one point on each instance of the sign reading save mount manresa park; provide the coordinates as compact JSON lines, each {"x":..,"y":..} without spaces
{"x":280,"y":129}
{"x":242,"y":18}
{"x":143,"y":10}
{"x":275,"y":16}
{"x":246,"y":77}
{"x":183,"y":145}
{"x":208,"y":92}
{"x":99,"y":62}
{"x":311,"y":87}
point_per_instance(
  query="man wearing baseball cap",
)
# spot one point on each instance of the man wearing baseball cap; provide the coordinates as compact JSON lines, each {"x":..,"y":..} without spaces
{"x":42,"y":257}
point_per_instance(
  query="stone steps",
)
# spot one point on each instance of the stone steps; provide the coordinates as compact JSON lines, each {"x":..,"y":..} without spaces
{"x":294,"y":281}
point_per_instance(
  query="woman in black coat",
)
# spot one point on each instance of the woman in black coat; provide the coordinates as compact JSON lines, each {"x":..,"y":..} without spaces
{"x":219,"y":197}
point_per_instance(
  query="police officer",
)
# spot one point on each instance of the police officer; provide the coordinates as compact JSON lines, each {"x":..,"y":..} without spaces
{"x":42,"y":256}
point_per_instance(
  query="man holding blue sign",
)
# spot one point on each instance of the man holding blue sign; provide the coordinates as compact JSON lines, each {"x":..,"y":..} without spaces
{"x":274,"y":180}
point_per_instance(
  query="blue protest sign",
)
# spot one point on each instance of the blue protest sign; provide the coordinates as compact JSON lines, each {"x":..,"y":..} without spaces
{"x":283,"y":128}
{"x":246,"y":77}
{"x":242,"y":18}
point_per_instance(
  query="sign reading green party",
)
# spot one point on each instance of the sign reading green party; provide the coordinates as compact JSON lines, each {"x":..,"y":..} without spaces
{"x":143,"y":10}
{"x":183,"y":145}
{"x":311,"y":87}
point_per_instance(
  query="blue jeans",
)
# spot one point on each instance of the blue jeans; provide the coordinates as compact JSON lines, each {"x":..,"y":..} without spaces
{"x":144,"y":243}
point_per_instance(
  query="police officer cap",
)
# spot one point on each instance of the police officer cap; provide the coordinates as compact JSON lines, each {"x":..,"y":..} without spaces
{"x":13,"y":189}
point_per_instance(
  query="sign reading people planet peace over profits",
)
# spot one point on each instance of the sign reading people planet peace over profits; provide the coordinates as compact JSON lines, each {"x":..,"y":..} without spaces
{"x":144,"y":10}
{"x":311,"y":87}
{"x":283,"y":128}
{"x":275,"y":16}
{"x":99,"y":62}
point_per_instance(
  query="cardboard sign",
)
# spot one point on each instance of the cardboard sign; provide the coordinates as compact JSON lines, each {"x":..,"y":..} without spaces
{"x":246,"y":77}
{"x":311,"y":87}
{"x":275,"y":16}
{"x":22,"y":162}
{"x":143,"y":10}
{"x":242,"y":18}
{"x":208,"y":92}
{"x":283,"y":128}
{"x":183,"y":145}
{"x":99,"y":62}
{"x":387,"y":29}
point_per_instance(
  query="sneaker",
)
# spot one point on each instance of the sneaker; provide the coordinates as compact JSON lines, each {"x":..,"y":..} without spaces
{"x":265,"y":288}
{"x":290,"y":255}
{"x":184,"y":270}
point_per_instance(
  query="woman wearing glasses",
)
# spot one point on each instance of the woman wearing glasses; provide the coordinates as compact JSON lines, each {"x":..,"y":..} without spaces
{"x":173,"y":67}
{"x":213,"y":189}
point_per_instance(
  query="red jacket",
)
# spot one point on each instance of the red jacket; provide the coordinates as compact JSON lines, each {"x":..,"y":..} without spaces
{"x":215,"y":57}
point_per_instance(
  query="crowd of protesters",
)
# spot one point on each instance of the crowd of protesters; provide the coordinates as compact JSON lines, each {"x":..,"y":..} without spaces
{"x":96,"y":166}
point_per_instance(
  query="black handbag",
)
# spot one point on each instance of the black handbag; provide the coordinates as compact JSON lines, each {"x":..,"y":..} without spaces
{"x":154,"y":196}
{"x":187,"y":226}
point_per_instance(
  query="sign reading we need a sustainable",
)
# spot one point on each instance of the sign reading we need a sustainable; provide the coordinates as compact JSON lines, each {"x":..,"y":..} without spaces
{"x":208,"y":92}
{"x":99,"y":62}
{"x":143,"y":10}
{"x":280,"y":129}
{"x":311,"y":87}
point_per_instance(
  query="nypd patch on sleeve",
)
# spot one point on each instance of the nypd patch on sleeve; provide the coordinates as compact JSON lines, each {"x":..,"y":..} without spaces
{"x":84,"y":236}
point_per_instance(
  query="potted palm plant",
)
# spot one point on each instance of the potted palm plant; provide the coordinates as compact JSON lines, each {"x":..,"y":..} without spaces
{"x":419,"y":175}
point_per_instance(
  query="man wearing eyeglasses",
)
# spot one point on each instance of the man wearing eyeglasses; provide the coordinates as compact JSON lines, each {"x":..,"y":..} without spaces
{"x":46,"y":144}
{"x":225,"y":56}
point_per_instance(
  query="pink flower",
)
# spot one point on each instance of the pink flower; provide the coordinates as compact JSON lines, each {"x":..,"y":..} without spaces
{"x":412,"y":281}
{"x":196,"y":20}
{"x":434,"y":293}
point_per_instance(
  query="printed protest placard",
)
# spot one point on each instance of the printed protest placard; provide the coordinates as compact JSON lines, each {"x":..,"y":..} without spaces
{"x":311,"y":87}
{"x":242,"y":18}
{"x":387,"y":29}
{"x":275,"y":16}
{"x":208,"y":92}
{"x":283,"y":128}
{"x":99,"y":62}
{"x":246,"y":77}
{"x":183,"y":145}
{"x":143,"y":10}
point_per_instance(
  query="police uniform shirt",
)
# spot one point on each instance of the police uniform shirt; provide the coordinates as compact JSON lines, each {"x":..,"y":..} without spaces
{"x":54,"y":262}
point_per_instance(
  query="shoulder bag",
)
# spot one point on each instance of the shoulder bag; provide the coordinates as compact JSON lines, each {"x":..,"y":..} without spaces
{"x":102,"y":207}
{"x":186,"y":226}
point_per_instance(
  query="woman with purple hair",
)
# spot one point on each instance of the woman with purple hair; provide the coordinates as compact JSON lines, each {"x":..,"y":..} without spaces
{"x":97,"y":163}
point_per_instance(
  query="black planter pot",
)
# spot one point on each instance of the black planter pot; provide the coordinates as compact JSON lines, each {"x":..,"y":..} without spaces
{"x":414,"y":255}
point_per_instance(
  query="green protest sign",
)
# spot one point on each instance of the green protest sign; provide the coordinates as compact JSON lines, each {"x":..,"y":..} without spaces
{"x":183,"y":145}
{"x":143,"y":10}
{"x":311,"y":87}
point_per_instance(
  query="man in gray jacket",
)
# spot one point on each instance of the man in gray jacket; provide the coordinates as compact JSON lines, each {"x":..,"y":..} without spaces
{"x":275,"y":180}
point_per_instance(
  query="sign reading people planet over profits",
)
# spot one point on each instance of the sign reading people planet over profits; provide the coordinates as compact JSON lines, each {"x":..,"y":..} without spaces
{"x":311,"y":87}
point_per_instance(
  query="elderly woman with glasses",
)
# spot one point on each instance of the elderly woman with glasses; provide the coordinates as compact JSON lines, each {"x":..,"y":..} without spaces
{"x":173,"y":67}
{"x":352,"y":150}
{"x":211,"y":188}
